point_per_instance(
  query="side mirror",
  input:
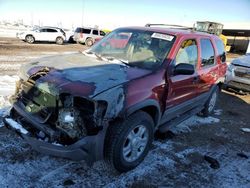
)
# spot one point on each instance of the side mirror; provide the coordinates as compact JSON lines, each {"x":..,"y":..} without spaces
{"x":184,"y":69}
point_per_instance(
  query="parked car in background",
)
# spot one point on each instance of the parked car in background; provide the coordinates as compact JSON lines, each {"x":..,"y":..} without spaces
{"x":47,"y":34}
{"x":87,"y":35}
{"x":108,"y":101}
{"x":238,"y":74}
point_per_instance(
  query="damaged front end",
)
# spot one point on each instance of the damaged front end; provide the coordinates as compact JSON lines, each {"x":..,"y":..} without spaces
{"x":58,"y":123}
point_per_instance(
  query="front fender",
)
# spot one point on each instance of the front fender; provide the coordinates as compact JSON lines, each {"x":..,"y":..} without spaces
{"x":144,"y":105}
{"x":115,"y":99}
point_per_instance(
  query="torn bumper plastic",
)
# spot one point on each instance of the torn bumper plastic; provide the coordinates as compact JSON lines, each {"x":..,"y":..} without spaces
{"x":89,"y":148}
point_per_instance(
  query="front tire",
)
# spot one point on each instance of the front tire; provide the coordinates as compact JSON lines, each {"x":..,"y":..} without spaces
{"x":127,"y":143}
{"x":30,"y":39}
{"x":211,"y":103}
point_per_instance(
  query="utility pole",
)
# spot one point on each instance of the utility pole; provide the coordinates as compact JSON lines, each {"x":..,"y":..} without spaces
{"x":32,"y":21}
{"x":82,"y":11}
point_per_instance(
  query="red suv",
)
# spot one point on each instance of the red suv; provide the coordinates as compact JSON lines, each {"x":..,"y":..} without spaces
{"x":107,"y":102}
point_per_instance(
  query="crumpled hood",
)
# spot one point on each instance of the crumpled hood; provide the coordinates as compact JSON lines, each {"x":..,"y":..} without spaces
{"x":242,"y":61}
{"x":79,"y":75}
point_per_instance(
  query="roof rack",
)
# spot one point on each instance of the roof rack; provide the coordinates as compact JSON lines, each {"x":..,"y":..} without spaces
{"x":169,"y":25}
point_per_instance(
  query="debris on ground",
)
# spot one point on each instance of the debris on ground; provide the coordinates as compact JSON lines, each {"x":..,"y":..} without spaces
{"x":213,"y":162}
{"x":243,"y":155}
{"x":165,"y":135}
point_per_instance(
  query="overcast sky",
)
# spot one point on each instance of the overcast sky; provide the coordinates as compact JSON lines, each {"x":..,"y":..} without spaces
{"x":114,"y":13}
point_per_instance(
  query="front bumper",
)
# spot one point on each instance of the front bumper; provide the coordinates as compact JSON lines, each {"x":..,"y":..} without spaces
{"x":90,"y":148}
{"x":236,"y":82}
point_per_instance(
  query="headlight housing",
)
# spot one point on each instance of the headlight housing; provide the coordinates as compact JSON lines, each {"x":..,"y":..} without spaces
{"x":230,"y":67}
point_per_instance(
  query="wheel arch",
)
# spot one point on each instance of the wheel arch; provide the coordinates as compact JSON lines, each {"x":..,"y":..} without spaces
{"x":30,"y":35}
{"x":150,"y":106}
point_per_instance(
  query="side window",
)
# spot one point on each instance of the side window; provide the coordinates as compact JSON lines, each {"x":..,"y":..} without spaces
{"x":78,"y":30}
{"x":188,"y":53}
{"x":86,"y":31}
{"x":221,"y":50}
{"x":95,"y":32}
{"x":207,"y":53}
{"x":43,"y":30}
{"x":102,"y":33}
{"x":51,"y":30}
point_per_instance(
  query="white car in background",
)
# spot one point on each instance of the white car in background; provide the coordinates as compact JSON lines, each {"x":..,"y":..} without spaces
{"x":238,"y":75}
{"x":48,"y":34}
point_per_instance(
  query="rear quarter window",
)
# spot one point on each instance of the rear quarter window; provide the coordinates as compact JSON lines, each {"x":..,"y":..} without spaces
{"x":221,"y":50}
{"x":102,"y":33}
{"x":207,"y":53}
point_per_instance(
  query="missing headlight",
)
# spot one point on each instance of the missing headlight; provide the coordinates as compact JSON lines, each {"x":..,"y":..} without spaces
{"x":71,"y":123}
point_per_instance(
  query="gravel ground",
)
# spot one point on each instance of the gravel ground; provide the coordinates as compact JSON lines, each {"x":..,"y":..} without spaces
{"x":178,"y":160}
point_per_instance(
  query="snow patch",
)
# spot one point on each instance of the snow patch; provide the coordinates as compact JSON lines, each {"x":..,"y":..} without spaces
{"x":16,"y":125}
{"x":9,"y":67}
{"x":8,"y":86}
{"x":247,"y":130}
{"x":218,"y":112}
{"x":193,"y":121}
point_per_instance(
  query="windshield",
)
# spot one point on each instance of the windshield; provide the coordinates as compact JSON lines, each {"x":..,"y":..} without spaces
{"x":144,"y":49}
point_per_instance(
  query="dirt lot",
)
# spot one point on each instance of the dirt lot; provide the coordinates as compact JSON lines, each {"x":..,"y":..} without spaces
{"x":175,"y":161}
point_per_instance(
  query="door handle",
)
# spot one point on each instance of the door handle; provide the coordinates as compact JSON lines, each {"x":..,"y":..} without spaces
{"x":196,"y":79}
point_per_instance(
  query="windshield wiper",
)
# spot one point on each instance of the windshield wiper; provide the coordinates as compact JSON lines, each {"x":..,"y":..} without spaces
{"x":120,"y":60}
{"x":99,"y":57}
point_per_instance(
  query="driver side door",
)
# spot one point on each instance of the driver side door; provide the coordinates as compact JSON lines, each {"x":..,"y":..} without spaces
{"x":182,"y":89}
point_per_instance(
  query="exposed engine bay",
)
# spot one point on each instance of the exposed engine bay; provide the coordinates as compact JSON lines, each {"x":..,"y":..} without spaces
{"x":55,"y":117}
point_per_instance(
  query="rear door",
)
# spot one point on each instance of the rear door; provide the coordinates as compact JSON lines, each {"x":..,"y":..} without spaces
{"x":51,"y":35}
{"x":208,"y":69}
{"x":182,"y":89}
{"x":95,"y":33}
{"x":39,"y":36}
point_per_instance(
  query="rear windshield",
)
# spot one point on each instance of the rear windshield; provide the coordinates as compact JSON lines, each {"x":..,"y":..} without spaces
{"x":82,"y":30}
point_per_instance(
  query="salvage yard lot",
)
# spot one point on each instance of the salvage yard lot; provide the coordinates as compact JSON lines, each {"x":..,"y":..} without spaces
{"x":175,"y":161}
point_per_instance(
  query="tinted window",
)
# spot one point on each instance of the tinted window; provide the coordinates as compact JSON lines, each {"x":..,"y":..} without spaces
{"x":221,"y":50}
{"x":207,"y":53}
{"x":95,"y":32}
{"x":78,"y":30}
{"x":187,"y":53}
{"x":102,"y":33}
{"x":51,"y":30}
{"x":86,"y":31}
{"x":43,"y":30}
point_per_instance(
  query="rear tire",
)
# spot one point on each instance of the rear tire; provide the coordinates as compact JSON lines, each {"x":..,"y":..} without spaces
{"x":210,"y":104}
{"x":89,"y":42}
{"x":59,"y":40}
{"x":30,"y":39}
{"x":127,"y":143}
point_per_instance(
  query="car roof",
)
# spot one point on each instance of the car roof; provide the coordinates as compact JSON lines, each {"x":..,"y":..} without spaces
{"x":48,"y":27}
{"x":88,"y":28}
{"x":172,"y":31}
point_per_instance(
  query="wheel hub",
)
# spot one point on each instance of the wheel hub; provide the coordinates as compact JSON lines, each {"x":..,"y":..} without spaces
{"x":135,"y":143}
